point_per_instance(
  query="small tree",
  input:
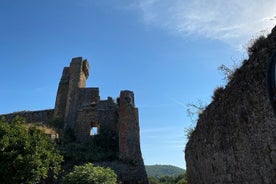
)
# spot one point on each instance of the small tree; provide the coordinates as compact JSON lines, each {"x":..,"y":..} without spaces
{"x":228,"y":72}
{"x":153,"y":180}
{"x":90,"y":174}
{"x":194,"y":110}
{"x":26,"y":155}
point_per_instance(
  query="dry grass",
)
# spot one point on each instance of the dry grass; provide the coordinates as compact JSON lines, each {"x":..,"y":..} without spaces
{"x":44,"y":129}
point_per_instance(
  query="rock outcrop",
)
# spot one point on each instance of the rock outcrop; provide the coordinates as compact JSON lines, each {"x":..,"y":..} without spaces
{"x":235,"y":137}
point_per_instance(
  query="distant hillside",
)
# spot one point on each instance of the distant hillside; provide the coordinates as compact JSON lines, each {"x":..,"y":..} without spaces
{"x":163,"y":170}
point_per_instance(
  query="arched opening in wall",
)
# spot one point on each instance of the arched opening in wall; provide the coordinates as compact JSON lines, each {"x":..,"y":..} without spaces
{"x":94,"y":129}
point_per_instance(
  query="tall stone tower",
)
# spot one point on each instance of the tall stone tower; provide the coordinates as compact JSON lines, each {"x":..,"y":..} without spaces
{"x":129,"y":137}
{"x":129,"y":140}
{"x":67,"y":100}
{"x":61,"y":98}
{"x":79,"y":72}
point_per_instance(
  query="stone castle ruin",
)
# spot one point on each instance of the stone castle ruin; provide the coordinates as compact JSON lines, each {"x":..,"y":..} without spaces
{"x":82,"y":111}
{"x":235,"y":138}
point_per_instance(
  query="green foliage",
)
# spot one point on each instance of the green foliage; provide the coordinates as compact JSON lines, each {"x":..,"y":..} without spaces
{"x":166,"y":174}
{"x":26,"y":155}
{"x":67,"y":136}
{"x":153,"y":180}
{"x":167,"y":179}
{"x":180,"y":179}
{"x":90,"y":174}
{"x":158,"y":171}
{"x":98,"y":148}
{"x":57,"y":123}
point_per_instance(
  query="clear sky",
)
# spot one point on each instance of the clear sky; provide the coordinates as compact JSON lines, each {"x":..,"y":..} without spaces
{"x":166,"y":51}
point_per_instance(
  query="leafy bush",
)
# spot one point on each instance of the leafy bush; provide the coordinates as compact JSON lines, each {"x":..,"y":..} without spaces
{"x":180,"y":179}
{"x":90,"y":174}
{"x":57,"y":123}
{"x":98,"y":148}
{"x":26,"y":155}
{"x":153,"y":180}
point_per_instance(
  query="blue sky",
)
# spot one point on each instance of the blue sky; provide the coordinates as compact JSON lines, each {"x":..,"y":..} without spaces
{"x":166,"y":51}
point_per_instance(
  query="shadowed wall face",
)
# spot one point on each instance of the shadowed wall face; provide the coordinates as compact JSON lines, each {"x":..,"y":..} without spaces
{"x":129,"y":144}
{"x":129,"y":137}
{"x":271,"y":81}
{"x":235,"y":138}
{"x":62,"y":93}
{"x":78,"y":72}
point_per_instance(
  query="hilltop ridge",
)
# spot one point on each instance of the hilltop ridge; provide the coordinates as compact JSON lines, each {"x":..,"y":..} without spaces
{"x":163,"y":170}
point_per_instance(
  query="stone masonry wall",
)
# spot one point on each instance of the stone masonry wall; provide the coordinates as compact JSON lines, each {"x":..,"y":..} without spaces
{"x":108,"y":116}
{"x":43,"y":117}
{"x":129,"y":138}
{"x":128,"y":128}
{"x":78,"y":73}
{"x":62,"y":93}
{"x":88,"y":96}
{"x":235,"y":138}
{"x":86,"y":118}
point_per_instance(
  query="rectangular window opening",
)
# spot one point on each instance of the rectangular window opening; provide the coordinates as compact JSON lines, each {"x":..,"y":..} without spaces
{"x":94,"y":131}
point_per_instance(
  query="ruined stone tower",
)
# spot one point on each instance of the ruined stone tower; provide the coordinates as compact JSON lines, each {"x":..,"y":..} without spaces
{"x":129,"y":142}
{"x":82,"y":111}
{"x":75,"y":104}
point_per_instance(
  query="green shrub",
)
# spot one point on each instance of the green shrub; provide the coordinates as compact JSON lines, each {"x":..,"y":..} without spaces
{"x":26,"y":154}
{"x":180,"y":179}
{"x":153,"y":180}
{"x":90,"y":174}
{"x":57,"y":123}
{"x":98,"y":148}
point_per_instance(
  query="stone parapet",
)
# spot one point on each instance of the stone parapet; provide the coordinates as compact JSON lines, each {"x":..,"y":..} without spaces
{"x":43,"y":116}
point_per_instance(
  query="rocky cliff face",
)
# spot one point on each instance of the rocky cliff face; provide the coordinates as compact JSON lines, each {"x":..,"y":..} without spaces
{"x":235,"y":138}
